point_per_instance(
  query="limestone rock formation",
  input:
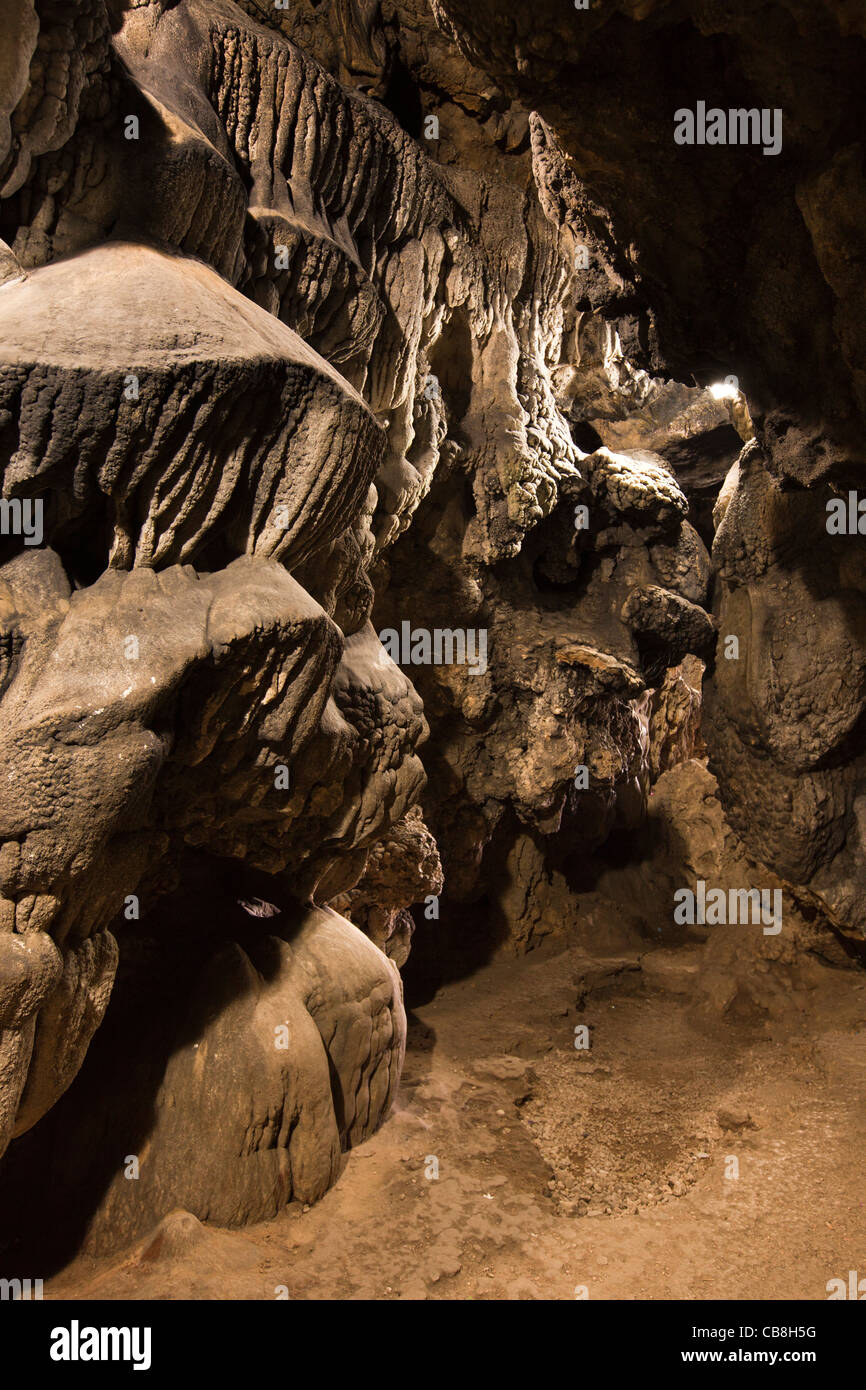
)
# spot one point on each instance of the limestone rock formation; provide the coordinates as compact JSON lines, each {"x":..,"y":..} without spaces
{"x":403,"y":441}
{"x":744,"y":263}
{"x":279,"y":1047}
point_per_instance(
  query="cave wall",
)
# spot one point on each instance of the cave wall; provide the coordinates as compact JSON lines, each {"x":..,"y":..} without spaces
{"x":287,"y":368}
{"x":752,"y":264}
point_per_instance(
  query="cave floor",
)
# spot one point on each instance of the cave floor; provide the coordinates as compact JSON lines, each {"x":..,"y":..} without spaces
{"x":680,"y":1156}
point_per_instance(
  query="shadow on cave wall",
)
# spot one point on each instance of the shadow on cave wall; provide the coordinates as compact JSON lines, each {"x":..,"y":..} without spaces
{"x":54,"y":1178}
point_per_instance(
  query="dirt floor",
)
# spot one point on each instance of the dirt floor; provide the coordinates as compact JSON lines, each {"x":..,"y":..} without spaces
{"x":677,"y":1156}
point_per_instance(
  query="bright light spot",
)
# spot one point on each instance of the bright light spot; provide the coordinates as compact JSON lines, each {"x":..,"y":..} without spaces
{"x":724,"y":391}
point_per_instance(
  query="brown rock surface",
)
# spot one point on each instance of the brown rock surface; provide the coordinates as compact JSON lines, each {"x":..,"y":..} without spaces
{"x":372,"y":543}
